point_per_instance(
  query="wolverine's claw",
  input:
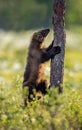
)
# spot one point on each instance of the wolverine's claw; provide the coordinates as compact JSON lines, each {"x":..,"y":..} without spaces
{"x":57,"y":49}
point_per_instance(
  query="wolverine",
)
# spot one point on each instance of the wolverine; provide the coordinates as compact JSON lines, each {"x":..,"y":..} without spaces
{"x":34,"y":76}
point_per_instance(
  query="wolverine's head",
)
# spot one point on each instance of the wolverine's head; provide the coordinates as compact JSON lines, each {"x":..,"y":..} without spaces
{"x":40,"y":35}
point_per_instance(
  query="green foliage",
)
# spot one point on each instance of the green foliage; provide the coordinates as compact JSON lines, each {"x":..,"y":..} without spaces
{"x":74,"y":11}
{"x":51,"y":112}
{"x":27,"y":14}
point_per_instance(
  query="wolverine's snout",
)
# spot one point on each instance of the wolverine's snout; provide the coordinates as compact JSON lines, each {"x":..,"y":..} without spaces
{"x":45,"y":32}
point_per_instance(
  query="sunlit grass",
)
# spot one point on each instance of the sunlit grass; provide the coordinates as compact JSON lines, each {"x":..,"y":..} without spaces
{"x":50,"y":112}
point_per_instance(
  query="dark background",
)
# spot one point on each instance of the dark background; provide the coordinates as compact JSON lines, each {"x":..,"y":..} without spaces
{"x":29,"y":14}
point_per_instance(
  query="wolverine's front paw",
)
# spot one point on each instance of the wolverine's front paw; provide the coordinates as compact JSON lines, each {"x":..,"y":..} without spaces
{"x":57,"y":49}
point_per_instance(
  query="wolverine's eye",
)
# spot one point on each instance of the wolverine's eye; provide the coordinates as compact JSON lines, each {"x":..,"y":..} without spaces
{"x":40,"y":37}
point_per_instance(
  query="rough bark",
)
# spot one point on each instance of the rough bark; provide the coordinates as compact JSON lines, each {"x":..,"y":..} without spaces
{"x":57,"y":64}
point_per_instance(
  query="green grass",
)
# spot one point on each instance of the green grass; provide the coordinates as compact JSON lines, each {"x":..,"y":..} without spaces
{"x":52,"y":112}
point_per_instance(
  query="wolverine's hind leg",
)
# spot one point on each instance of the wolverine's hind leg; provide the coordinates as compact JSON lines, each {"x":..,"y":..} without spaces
{"x":28,"y":93}
{"x":42,"y":87}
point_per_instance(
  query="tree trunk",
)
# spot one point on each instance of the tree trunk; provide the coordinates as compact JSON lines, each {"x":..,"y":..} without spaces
{"x":57,"y":64}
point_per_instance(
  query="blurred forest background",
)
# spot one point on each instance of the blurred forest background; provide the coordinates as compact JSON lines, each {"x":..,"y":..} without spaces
{"x":29,"y":14}
{"x":18,"y":21}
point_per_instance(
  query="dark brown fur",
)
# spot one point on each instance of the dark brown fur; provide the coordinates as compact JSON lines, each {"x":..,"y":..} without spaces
{"x":34,"y":77}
